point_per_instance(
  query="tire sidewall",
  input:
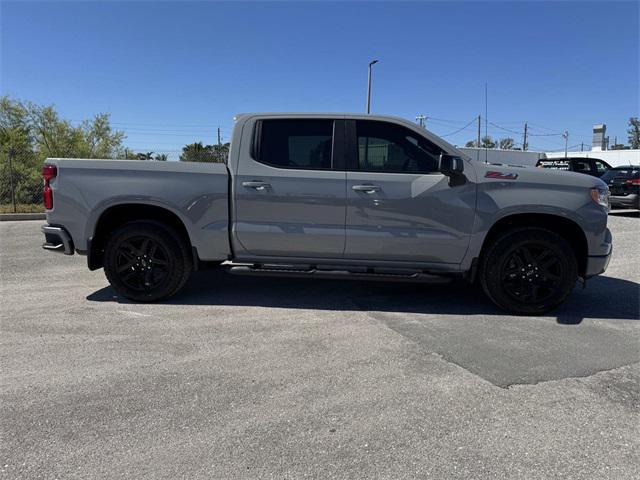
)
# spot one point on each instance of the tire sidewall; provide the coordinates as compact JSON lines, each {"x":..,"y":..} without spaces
{"x":166,"y":237}
{"x":499,"y":253}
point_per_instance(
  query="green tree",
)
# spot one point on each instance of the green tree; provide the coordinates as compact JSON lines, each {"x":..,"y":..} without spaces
{"x":221,"y":152}
{"x":30,"y":133}
{"x":161,"y":157}
{"x":488,"y":142}
{"x":634,"y":132}
{"x":506,"y":143}
{"x":197,"y":152}
{"x":130,"y":155}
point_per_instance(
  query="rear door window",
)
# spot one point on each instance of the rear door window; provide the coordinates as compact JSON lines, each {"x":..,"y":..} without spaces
{"x":581,"y":165}
{"x":601,"y":167}
{"x":303,"y":144}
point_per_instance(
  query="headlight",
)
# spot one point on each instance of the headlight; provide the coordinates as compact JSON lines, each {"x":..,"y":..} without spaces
{"x":600,"y":195}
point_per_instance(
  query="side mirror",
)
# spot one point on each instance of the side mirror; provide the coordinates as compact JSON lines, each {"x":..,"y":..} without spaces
{"x":450,"y":165}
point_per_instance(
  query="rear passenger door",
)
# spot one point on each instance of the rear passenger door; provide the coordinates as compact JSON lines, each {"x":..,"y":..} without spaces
{"x":399,"y":206}
{"x":289,"y":192}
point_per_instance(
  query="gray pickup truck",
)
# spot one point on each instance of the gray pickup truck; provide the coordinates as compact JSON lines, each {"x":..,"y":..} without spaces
{"x":338,"y":196}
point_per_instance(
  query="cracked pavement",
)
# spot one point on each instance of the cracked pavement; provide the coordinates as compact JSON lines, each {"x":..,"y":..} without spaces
{"x":242,"y":377}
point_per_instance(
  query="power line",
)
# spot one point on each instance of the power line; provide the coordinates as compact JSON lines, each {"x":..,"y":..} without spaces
{"x":505,"y":129}
{"x":176,"y":130}
{"x":545,"y":134}
{"x":460,"y":129}
{"x":185,"y":125}
{"x":541,"y":127}
{"x":443,"y":120}
{"x":199,"y":134}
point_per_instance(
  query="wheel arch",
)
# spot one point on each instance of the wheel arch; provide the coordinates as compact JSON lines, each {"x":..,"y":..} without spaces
{"x":565,"y":227}
{"x":119,"y":214}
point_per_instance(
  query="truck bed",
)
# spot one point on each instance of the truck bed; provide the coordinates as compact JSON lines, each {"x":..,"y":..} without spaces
{"x":197,"y":193}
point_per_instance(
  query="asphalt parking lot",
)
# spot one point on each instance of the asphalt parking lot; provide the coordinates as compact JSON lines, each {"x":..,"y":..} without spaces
{"x":243,"y":377}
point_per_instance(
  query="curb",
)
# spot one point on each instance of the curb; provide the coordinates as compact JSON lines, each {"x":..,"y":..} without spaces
{"x":5,"y":217}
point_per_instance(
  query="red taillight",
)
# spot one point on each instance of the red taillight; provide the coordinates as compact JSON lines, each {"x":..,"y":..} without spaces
{"x":634,"y":181}
{"x":47,"y":197}
{"x":49,"y":172}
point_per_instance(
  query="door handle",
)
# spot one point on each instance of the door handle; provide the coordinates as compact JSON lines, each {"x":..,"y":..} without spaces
{"x":366,"y":188}
{"x":256,"y":184}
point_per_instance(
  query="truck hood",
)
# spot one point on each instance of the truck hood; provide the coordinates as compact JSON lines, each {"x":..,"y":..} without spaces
{"x":488,"y":172}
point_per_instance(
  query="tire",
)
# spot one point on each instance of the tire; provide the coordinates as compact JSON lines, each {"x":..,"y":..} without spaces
{"x":147,"y":261}
{"x":528,"y":271}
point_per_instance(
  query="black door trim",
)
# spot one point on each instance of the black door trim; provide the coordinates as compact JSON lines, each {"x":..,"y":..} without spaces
{"x":338,"y":148}
{"x":350,"y":146}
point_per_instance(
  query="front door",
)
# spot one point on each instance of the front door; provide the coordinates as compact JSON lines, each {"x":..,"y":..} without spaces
{"x":399,"y":207}
{"x":289,"y":199}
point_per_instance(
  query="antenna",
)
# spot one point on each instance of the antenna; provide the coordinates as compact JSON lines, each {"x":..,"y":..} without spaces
{"x":479,"y":136}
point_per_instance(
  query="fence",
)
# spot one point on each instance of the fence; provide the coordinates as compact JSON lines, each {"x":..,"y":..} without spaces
{"x":20,"y":182}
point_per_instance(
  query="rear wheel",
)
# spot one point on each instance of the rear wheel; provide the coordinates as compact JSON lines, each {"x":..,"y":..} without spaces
{"x":529,"y":271}
{"x":147,"y":261}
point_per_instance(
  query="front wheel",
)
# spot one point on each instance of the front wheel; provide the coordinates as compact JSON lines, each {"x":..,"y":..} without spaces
{"x":528,"y":271}
{"x":147,"y":261}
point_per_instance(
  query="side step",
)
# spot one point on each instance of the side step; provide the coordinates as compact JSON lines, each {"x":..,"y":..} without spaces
{"x":290,"y":272}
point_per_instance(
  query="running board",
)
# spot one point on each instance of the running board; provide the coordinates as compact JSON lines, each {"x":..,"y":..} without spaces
{"x":276,"y":271}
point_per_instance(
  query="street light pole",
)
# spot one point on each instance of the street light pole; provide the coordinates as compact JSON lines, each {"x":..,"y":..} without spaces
{"x":565,"y":135}
{"x":373,"y":62}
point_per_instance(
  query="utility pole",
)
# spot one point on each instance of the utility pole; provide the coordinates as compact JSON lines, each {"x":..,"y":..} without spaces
{"x":372,"y":62}
{"x":486,"y":119}
{"x":219,"y":142}
{"x":565,"y":135}
{"x":581,"y":146}
{"x":421,"y":119}
{"x":524,"y":142}
{"x":13,"y":191}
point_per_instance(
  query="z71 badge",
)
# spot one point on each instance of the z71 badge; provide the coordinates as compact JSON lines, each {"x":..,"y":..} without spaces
{"x":501,"y":175}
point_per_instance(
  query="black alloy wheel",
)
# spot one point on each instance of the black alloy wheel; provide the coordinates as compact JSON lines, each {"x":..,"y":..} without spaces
{"x":532,"y":273}
{"x":528,"y":270}
{"x":147,"y":261}
{"x":142,"y":263}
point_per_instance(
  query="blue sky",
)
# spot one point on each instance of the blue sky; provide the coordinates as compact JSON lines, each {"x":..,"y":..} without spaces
{"x":170,"y":73}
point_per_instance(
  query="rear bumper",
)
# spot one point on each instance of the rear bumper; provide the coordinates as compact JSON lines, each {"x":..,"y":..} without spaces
{"x":57,"y":239}
{"x":624,"y":201}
